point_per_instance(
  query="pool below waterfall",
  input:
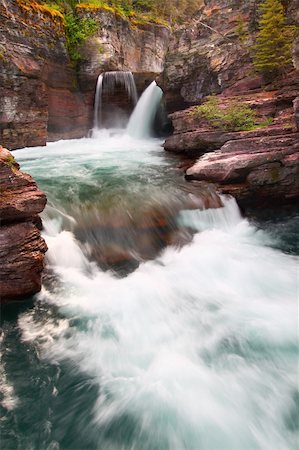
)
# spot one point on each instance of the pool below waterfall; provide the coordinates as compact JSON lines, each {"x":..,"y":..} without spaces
{"x":161,"y":324}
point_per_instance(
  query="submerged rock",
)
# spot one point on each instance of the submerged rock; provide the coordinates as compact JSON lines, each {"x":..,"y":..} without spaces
{"x":22,"y":248}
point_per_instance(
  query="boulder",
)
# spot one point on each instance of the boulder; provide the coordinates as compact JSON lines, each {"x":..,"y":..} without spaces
{"x":20,"y":197}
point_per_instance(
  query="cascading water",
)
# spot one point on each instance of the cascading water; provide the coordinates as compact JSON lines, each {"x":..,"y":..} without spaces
{"x":107,"y":82}
{"x":141,"y":122}
{"x":98,"y":103}
{"x":193,"y":350}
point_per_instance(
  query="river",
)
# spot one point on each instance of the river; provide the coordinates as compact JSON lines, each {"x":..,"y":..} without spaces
{"x":186,"y":345}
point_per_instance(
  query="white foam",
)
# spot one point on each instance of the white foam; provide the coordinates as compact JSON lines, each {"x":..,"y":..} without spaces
{"x":197,"y":346}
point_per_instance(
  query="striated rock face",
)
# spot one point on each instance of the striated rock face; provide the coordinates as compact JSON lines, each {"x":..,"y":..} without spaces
{"x":21,"y":260}
{"x":255,"y":165}
{"x":208,"y":57}
{"x":20,"y":199}
{"x":194,"y":136}
{"x":42,"y":96}
{"x":38,"y":94}
{"x":22,"y":248}
{"x":119,"y":45}
{"x":254,"y":170}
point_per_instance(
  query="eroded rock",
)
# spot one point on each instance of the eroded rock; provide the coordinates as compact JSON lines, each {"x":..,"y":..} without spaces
{"x":255,"y":170}
{"x":22,"y":248}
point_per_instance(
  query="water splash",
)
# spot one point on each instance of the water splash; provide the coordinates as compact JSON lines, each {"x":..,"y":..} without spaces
{"x":194,"y":350}
{"x":141,"y":122}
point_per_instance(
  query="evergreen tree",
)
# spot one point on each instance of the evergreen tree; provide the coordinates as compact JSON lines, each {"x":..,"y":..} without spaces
{"x":273,"y":49}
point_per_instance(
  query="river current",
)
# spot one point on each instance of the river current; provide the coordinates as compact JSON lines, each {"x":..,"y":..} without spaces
{"x":194,"y":347}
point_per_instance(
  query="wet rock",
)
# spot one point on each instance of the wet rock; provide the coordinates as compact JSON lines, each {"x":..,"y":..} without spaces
{"x":21,"y":260}
{"x":22,"y":248}
{"x":129,"y":235}
{"x":20,"y":197}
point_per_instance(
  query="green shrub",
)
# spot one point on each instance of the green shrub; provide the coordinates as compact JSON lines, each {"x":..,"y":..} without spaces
{"x":77,"y":31}
{"x":235,"y":117}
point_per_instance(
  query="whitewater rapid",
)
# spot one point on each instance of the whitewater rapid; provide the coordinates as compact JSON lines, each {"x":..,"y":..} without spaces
{"x":194,"y":350}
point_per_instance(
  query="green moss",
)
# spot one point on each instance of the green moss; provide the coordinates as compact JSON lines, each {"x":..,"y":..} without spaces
{"x":235,"y":116}
{"x":275,"y":174}
{"x":44,"y":9}
{"x":95,"y":5}
{"x":2,"y":53}
{"x":10,"y":161}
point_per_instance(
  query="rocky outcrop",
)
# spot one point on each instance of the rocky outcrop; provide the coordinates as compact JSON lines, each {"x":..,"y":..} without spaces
{"x":212,"y":53}
{"x":121,"y":45}
{"x":212,"y":58}
{"x":42,"y":95}
{"x":38,"y":94}
{"x":255,"y":165}
{"x":254,"y":170}
{"x":208,"y":56}
{"x":22,"y":248}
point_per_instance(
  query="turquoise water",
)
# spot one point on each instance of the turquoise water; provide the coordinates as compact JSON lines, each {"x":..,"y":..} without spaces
{"x":194,"y":349}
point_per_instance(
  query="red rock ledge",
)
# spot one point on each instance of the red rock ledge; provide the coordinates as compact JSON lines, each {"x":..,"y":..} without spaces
{"x":22,"y":248}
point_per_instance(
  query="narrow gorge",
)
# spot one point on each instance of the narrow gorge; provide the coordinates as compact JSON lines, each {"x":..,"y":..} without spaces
{"x":149,"y":184}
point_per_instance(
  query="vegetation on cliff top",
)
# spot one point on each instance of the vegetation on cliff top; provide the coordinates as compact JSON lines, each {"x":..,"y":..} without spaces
{"x":138,"y":11}
{"x":79,"y":28}
{"x":273,"y":48}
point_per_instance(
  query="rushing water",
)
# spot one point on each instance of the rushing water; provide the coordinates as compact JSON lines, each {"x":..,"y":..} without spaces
{"x":142,"y":119}
{"x":107,"y":82}
{"x":196,"y":349}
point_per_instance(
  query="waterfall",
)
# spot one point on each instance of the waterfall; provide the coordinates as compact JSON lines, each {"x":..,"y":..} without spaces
{"x":107,"y":83}
{"x":98,"y":102}
{"x":142,"y":119}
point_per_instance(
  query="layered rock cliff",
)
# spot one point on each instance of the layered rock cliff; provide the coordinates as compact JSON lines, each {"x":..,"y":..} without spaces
{"x":22,"y":248}
{"x":43,"y":96}
{"x":211,"y":58}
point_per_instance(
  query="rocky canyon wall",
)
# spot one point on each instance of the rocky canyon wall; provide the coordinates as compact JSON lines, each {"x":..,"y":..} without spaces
{"x":22,"y":248}
{"x":213,"y":53}
{"x":43,"y":96}
{"x":213,"y":57}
